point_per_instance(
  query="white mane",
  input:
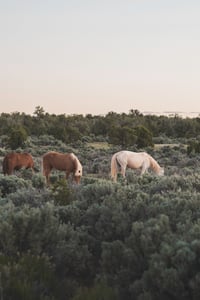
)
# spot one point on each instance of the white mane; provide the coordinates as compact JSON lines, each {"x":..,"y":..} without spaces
{"x":79,"y":169}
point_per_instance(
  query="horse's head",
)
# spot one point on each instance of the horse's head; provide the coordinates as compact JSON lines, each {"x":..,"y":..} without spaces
{"x":77,"y":179}
{"x":78,"y":170}
{"x":161,"y":172}
{"x":78,"y":174}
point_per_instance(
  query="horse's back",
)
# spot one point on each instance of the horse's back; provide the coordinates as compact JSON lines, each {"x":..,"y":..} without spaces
{"x":53,"y":155}
{"x":57,"y":160}
{"x":133,"y":159}
{"x":15,"y":161}
{"x":26,"y":157}
{"x":23,"y":160}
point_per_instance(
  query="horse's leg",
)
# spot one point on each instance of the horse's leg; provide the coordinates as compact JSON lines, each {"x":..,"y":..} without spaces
{"x":144,"y":168}
{"x":123,"y":171}
{"x":115,"y":178}
{"x":10,"y":171}
{"x":33,"y":171}
{"x":30,"y":167}
{"x":46,"y":173}
{"x":47,"y":177}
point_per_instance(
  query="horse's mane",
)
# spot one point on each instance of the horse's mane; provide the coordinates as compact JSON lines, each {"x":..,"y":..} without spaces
{"x":78,"y":166}
{"x":154,"y":165}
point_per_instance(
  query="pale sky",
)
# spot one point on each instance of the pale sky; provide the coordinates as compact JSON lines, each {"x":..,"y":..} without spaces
{"x":80,"y":57}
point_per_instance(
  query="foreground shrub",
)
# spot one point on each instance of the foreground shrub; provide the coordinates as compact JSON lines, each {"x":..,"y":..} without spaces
{"x":62,"y":192}
{"x":10,"y":184}
{"x":27,"y":277}
{"x":38,"y":181}
{"x":98,"y":292}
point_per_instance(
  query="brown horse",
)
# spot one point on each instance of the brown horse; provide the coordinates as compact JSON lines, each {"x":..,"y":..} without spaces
{"x":15,"y":161}
{"x":63,"y":162}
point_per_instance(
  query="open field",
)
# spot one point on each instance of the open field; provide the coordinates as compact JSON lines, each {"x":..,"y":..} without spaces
{"x":99,"y":145}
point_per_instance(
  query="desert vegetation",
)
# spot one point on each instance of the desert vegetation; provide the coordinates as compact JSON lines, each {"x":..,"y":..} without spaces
{"x":138,"y":238}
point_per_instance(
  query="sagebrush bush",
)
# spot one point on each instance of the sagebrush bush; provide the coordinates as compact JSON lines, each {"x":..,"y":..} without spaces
{"x":10,"y":184}
{"x":139,"y":237}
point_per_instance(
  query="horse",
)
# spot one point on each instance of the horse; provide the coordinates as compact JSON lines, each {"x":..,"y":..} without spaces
{"x":67,"y":162}
{"x":15,"y":161}
{"x":133,"y":160}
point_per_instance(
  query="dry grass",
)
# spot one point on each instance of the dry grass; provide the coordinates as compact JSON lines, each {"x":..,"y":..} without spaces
{"x":159,"y":146}
{"x":99,"y":145}
{"x":105,"y":145}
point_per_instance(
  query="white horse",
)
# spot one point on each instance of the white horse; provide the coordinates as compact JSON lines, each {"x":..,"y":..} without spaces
{"x":133,"y":160}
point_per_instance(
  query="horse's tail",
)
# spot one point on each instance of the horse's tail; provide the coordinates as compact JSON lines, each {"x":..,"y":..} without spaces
{"x":114,"y":167}
{"x":5,"y":165}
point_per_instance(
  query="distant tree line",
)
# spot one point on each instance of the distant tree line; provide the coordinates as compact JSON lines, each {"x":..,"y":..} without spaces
{"x":118,"y":129}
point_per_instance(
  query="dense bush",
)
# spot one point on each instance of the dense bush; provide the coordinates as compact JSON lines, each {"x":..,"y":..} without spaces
{"x":17,"y":137}
{"x":134,"y":239}
{"x":10,"y":184}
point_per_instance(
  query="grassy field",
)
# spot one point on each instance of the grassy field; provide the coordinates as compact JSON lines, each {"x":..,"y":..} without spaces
{"x":105,"y":145}
{"x":159,"y":146}
{"x":99,"y":145}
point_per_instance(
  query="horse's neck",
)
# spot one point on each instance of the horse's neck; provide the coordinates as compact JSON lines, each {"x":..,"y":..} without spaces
{"x":153,"y":164}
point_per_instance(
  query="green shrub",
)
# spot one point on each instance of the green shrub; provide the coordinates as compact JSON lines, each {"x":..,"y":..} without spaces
{"x":38,"y":181}
{"x":17,"y":137}
{"x":98,"y":292}
{"x":62,"y":192}
{"x":27,"y":277}
{"x":10,"y":184}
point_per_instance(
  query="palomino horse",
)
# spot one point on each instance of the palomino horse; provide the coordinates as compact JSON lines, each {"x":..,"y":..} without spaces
{"x":128,"y":159}
{"x":63,"y":162}
{"x":15,"y":161}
